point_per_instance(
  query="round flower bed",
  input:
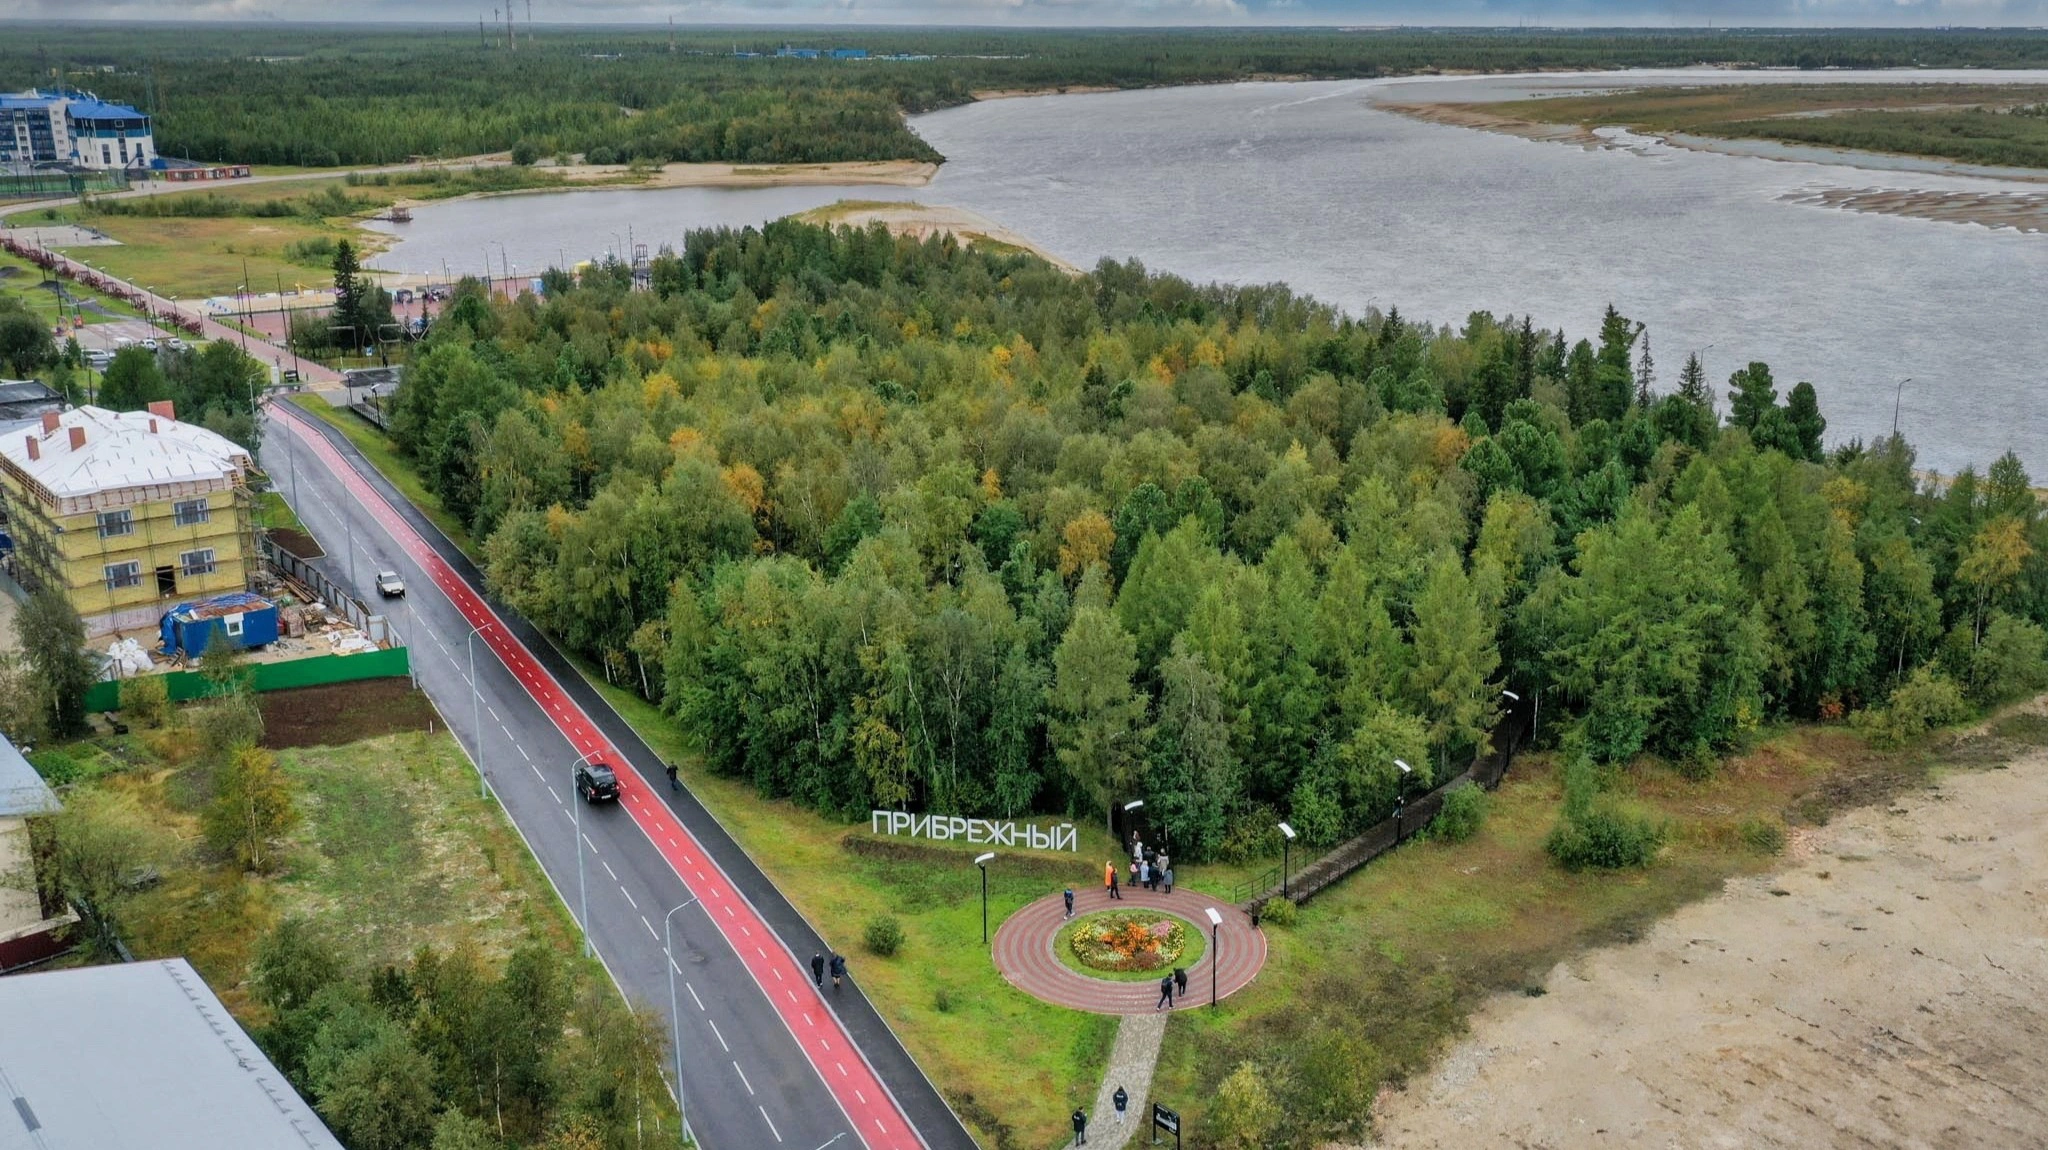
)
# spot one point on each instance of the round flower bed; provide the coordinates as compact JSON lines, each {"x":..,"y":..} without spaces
{"x":1128,"y":945}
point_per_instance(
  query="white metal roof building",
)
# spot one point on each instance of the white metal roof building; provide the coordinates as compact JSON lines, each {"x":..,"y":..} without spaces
{"x":138,"y":1056}
{"x":89,"y":458}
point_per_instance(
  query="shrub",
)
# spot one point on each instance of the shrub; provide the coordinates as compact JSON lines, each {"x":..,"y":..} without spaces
{"x":1463,"y":812}
{"x":2011,"y":660}
{"x":525,"y":152}
{"x":57,"y":768}
{"x":1604,"y":838}
{"x":1279,"y":912}
{"x":942,"y":1000}
{"x":1927,"y":700}
{"x":146,"y":699}
{"x":884,"y":936}
{"x":1763,"y":836}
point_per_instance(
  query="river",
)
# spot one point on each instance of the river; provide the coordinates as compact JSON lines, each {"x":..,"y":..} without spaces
{"x":1311,"y":184}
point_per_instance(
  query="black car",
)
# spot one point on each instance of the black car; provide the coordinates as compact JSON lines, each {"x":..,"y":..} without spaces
{"x":596,"y":783}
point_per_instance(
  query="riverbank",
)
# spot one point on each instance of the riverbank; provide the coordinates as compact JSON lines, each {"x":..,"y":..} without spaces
{"x":2025,"y":211}
{"x":893,"y":173}
{"x":922,"y":221}
{"x":1715,"y":1030}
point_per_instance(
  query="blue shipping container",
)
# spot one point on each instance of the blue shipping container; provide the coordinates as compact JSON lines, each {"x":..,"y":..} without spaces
{"x":244,"y":620}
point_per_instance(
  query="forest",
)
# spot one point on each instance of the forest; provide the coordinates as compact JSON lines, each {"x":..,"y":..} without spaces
{"x":321,"y":96}
{"x":890,"y":523}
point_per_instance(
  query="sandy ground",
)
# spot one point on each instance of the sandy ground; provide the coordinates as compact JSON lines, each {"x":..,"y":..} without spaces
{"x":1884,"y":990}
{"x":897,"y":173}
{"x":2024,"y":211}
{"x":922,"y":220}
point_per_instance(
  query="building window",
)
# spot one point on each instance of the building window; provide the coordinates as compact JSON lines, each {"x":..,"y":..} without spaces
{"x":114,"y":523}
{"x":106,"y":154}
{"x":190,"y":512}
{"x":196,"y":562}
{"x":121,"y":575}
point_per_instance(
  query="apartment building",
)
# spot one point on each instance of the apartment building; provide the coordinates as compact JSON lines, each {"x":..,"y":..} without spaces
{"x":128,"y":513}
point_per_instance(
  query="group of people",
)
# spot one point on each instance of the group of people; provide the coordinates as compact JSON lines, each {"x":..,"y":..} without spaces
{"x":1150,"y":869}
{"x":837,"y":966}
{"x":1171,"y":985}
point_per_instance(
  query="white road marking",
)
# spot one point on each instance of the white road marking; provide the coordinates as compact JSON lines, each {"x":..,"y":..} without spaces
{"x":857,"y":1094}
{"x":693,"y":995}
{"x":743,"y":1079}
{"x":770,"y":1122}
{"x":494,"y":713}
{"x":728,"y":912}
{"x":842,"y":1068}
{"x":715,"y":1034}
{"x":551,"y":787}
{"x":648,"y":925}
{"x":879,"y":1126}
{"x":629,"y":898}
{"x":536,"y":771}
{"x":591,"y":845}
{"x":608,"y":869}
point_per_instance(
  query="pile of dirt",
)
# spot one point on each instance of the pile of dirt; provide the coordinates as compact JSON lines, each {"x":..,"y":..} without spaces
{"x":343,"y":713}
{"x":297,"y":542}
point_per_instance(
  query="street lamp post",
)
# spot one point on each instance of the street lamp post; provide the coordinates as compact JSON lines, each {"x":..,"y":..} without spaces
{"x":582,"y":889}
{"x":1400,"y":796}
{"x":675,"y":1018}
{"x":1898,"y":394}
{"x":476,"y":727}
{"x":1286,"y":842}
{"x":1215,"y":956}
{"x":1133,"y":805}
{"x":982,"y":862}
{"x":1511,"y":697}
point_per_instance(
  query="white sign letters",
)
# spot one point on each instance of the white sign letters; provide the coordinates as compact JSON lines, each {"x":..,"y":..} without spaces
{"x":949,"y":828}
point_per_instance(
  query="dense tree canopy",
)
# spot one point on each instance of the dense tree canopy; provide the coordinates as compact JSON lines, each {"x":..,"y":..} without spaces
{"x":894,"y":523}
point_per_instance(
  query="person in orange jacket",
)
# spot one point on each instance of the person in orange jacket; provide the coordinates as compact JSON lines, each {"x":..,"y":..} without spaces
{"x":1109,"y":880}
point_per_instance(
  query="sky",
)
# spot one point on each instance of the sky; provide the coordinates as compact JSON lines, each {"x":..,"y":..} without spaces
{"x":1038,"y":13}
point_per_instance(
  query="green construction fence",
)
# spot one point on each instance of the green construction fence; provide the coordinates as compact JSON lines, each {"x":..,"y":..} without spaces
{"x":317,"y":671}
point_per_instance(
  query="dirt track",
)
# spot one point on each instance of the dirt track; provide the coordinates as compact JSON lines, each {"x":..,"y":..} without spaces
{"x":1886,"y":989}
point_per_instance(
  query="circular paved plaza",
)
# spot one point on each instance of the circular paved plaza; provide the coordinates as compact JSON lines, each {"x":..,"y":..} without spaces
{"x":1024,"y":954}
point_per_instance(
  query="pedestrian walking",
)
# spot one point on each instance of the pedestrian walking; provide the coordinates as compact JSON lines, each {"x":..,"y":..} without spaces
{"x":1180,"y":981}
{"x":1137,"y":849}
{"x":1080,"y":1127}
{"x":1165,"y":993}
{"x":1134,"y":872}
{"x":674,"y":783}
{"x":1145,"y":875}
{"x":818,"y":970}
{"x":838,"y":968}
{"x":1122,"y":1100}
{"x":1113,"y":891}
{"x":1070,"y":902}
{"x":1169,"y":880}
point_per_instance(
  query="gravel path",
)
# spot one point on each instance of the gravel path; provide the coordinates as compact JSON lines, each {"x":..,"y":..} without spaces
{"x":1131,"y":1062}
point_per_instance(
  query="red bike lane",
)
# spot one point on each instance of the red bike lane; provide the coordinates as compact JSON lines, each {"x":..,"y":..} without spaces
{"x":869,"y":1106}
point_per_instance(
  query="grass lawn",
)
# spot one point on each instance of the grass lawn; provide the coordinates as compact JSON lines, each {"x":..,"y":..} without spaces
{"x":394,"y":851}
{"x":1192,"y":945}
{"x":191,"y":259}
{"x":19,"y":278}
{"x":273,"y":511}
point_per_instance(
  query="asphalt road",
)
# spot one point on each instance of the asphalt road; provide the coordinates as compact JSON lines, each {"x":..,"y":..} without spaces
{"x":768,"y":1060}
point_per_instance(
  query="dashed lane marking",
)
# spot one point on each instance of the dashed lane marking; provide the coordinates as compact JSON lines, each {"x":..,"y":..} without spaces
{"x":693,"y":995}
{"x":628,"y":894}
{"x":743,"y":1079}
{"x":608,"y":869}
{"x":715,"y":1034}
{"x":648,"y":925}
{"x":771,"y":1122}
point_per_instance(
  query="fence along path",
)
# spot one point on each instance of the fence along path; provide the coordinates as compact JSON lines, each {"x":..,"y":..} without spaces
{"x":1487,"y":771}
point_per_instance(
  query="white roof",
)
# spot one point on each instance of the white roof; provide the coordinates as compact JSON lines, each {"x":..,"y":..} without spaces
{"x":134,"y":1056}
{"x":122,"y":449}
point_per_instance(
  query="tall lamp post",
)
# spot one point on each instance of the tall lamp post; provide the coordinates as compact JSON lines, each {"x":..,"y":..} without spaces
{"x":675,"y":1018}
{"x":1133,"y":805}
{"x":1215,"y":957}
{"x":582,"y":888}
{"x":476,"y":726}
{"x":1286,"y":842}
{"x":982,"y":862}
{"x":1511,"y":697}
{"x":1897,"y":395}
{"x":1400,"y":796}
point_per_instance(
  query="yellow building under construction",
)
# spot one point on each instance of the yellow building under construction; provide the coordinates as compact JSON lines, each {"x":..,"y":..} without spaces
{"x":128,"y":513}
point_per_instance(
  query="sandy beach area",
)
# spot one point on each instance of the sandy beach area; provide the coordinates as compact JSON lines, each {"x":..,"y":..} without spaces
{"x":922,"y":220}
{"x":1884,"y":989}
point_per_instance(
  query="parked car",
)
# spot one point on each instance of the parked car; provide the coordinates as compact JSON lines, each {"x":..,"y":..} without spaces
{"x":390,"y":585}
{"x":596,"y":783}
{"x":150,"y":344}
{"x":176,"y":344}
{"x":123,"y":341}
{"x":97,"y":358}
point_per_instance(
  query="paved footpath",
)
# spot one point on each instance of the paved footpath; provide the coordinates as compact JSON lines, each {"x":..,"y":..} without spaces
{"x":1024,"y":954}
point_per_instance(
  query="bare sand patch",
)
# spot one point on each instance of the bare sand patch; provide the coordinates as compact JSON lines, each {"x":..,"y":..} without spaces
{"x":896,"y":173}
{"x":909,"y":218}
{"x":1884,"y":989}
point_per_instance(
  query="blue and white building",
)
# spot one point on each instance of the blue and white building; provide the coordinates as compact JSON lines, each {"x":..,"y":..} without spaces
{"x":73,"y":128}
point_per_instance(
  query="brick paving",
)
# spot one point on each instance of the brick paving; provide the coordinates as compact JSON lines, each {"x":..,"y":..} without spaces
{"x":1024,"y":954}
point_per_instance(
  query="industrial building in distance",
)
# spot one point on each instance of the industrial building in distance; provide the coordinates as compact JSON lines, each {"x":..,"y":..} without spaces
{"x":73,"y":128}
